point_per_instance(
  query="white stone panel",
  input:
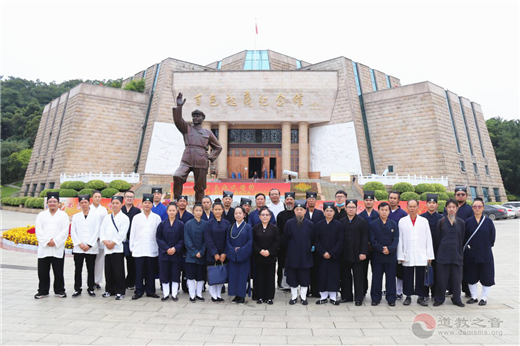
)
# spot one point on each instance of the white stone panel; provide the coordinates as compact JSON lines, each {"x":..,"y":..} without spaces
{"x":334,"y":149}
{"x":166,"y":148}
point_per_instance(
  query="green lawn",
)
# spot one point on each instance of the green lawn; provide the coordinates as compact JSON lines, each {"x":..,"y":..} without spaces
{"x":7,"y":191}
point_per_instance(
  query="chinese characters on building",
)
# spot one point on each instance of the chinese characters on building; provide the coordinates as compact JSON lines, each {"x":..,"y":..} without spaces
{"x":280,"y":100}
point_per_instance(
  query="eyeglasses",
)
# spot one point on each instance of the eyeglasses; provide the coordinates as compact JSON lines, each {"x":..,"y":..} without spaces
{"x":351,"y":207}
{"x":477,"y":207}
{"x":265,"y":215}
{"x":460,"y":194}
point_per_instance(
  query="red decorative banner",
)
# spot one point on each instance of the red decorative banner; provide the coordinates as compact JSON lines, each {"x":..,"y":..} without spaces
{"x":361,"y":206}
{"x":238,"y":189}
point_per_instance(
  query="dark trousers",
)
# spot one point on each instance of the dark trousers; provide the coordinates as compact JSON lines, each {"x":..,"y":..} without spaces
{"x":352,"y":272}
{"x":408,"y":281}
{"x":130,"y":271}
{"x":145,"y":270}
{"x":314,"y":275}
{"x":378,"y":269}
{"x":264,"y":284}
{"x":179,"y":178}
{"x":431,"y":289}
{"x":448,"y":276}
{"x":90,"y":260}
{"x":115,"y":273}
{"x":44,"y":267}
{"x":366,"y":263}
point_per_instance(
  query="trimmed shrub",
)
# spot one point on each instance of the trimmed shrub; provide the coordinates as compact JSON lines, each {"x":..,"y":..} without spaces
{"x":108,"y":192}
{"x":438,"y":187}
{"x":374,"y":186}
{"x":421,"y":188}
{"x":441,"y":195}
{"x":381,"y":195}
{"x":38,"y":203}
{"x":85,"y":192}
{"x":74,"y":185}
{"x":29,"y":202}
{"x":44,"y":192}
{"x":511,"y":197}
{"x":7,"y":200}
{"x":68,"y":193}
{"x":96,"y":185}
{"x":408,"y":195}
{"x":120,"y":185}
{"x":403,"y":187}
{"x":441,"y":206}
{"x":450,"y":194}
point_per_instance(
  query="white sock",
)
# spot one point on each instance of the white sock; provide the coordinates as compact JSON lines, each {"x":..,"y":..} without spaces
{"x":218,"y":290}
{"x":473,"y":289}
{"x":485,"y":292}
{"x":166,"y":289}
{"x":200,"y":285}
{"x":399,"y":286}
{"x":333,"y":295}
{"x":294,"y":293}
{"x":324,"y":295}
{"x":303,"y":292}
{"x":213,"y":291}
{"x":191,"y":287}
{"x":175,"y":289}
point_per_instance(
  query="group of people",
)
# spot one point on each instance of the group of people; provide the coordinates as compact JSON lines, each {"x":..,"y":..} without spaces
{"x":292,"y":245}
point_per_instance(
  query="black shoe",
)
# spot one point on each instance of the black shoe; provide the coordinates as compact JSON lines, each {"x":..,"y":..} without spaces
{"x":119,"y":297}
{"x":407,"y":301}
{"x":391,"y":303}
{"x":193,"y":300}
{"x":399,"y":296}
{"x":152,"y":295}
{"x":61,"y":295}
{"x":91,"y":293}
{"x":220,"y":300}
{"x":321,"y":301}
{"x":422,"y":302}
{"x":482,"y":302}
{"x":241,"y":301}
{"x":175,"y":298}
{"x":343,"y":300}
{"x":235,"y":300}
{"x":334,"y":302}
{"x":436,"y":304}
{"x":40,"y":296}
{"x":76,"y":294}
{"x":280,"y":287}
{"x":305,"y":302}
{"x":259,"y":301}
{"x":472,"y":301}
{"x":106,"y":295}
{"x":293,"y":301}
{"x":200,"y":298}
{"x":215,"y":300}
{"x":359,"y":303}
{"x":97,"y":287}
{"x":270,"y":302}
{"x":136,"y":296}
{"x":223,"y":290}
{"x":459,"y":304}
{"x":164,"y":299}
{"x":467,"y":295}
{"x":375,"y":303}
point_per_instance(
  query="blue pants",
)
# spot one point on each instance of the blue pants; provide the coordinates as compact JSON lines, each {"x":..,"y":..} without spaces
{"x":145,"y":270}
{"x":389,"y":269}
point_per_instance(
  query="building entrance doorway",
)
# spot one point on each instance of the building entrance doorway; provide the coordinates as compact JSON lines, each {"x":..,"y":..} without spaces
{"x":255,"y":165}
{"x":272,"y":165}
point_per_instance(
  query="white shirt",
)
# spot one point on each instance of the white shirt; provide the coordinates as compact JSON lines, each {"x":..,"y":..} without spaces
{"x":55,"y":227}
{"x":276,"y":208}
{"x":101,"y":212}
{"x":143,"y":242}
{"x":109,"y":232}
{"x":415,"y":246}
{"x":86,"y":231}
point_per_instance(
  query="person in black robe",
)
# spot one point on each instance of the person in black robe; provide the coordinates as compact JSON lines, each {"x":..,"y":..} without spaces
{"x":184,"y":216}
{"x":229,"y":212}
{"x":355,"y":252}
{"x":433,"y":218}
{"x":479,"y":264}
{"x":329,"y":246}
{"x":340,"y":208}
{"x":206,"y":205}
{"x":298,"y":235}
{"x":315,"y":215}
{"x":281,"y":220}
{"x":129,"y":210}
{"x":448,"y":245}
{"x":370,"y":215}
{"x":246,"y":204}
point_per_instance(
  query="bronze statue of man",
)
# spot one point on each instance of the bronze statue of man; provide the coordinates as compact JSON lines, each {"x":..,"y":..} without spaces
{"x":195,"y":157}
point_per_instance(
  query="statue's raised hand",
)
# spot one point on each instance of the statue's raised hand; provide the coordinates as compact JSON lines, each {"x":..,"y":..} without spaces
{"x":180,"y":101}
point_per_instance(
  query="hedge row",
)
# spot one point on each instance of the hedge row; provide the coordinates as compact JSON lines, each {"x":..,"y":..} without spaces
{"x":28,"y":202}
{"x":119,"y":185}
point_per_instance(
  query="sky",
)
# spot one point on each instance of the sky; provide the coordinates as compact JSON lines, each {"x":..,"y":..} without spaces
{"x":468,"y":47}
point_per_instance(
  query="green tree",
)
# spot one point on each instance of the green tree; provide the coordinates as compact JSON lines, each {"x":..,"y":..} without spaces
{"x":16,"y":165}
{"x":135,"y":85}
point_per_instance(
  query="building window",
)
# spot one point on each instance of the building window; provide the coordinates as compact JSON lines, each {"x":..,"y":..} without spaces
{"x":51,"y":164}
{"x":35,"y":166}
{"x":294,"y":136}
{"x":219,"y":65}
{"x":390,"y":169}
{"x":295,"y":160}
{"x":478,"y":130}
{"x":452,"y":121}
{"x":497,"y":194}
{"x":388,"y":82}
{"x":485,"y":190}
{"x":466,"y":127}
{"x":373,"y":77}
{"x":42,"y":186}
{"x":257,"y":60}
{"x":51,"y":185}
{"x":43,"y":166}
{"x":462,"y":166}
{"x":475,"y":168}
{"x":34,"y":189}
{"x":27,"y":186}
{"x":473,"y":190}
{"x":298,"y":64}
{"x":255,"y":136}
{"x":215,"y":132}
{"x":486,"y":168}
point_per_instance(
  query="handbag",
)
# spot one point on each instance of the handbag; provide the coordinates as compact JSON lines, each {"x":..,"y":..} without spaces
{"x":217,"y":274}
{"x":428,"y":275}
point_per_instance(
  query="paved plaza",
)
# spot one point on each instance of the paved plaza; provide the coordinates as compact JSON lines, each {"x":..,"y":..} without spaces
{"x":147,"y":321}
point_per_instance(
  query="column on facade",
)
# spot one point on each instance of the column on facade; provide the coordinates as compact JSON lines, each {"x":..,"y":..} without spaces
{"x":286,"y":146}
{"x":303,"y":149}
{"x":222,"y":158}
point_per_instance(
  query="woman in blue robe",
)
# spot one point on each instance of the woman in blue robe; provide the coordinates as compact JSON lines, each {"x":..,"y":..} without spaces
{"x":195,"y":253}
{"x":170,"y":239}
{"x":239,"y":248}
{"x":479,"y":264}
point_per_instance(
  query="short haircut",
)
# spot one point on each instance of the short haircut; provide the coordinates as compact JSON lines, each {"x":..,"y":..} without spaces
{"x":172,"y":204}
{"x":96,"y":191}
{"x":208,"y":197}
{"x":396,"y":192}
{"x":274,"y":190}
{"x":259,"y":194}
{"x":382,"y":205}
{"x":241,"y":208}
{"x":478,"y":199}
{"x":197,"y":205}
{"x":451,"y":200}
{"x":129,"y":191}
{"x":341,"y":192}
{"x":264,"y":208}
{"x":412,"y":199}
